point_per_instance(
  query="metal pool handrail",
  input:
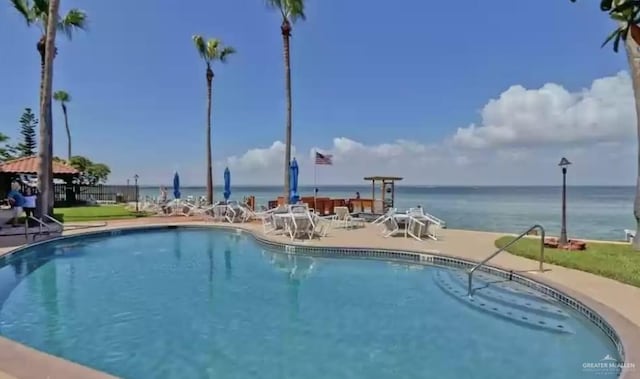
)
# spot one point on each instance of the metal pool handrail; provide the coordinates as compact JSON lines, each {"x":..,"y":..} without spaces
{"x":487,"y":259}
{"x":40,"y":224}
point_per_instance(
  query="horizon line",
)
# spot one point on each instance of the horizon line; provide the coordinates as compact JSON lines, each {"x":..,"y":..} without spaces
{"x":397,"y":185}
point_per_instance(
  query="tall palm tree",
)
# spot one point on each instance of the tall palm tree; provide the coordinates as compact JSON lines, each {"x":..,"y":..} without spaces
{"x":63,"y":98}
{"x":291,"y":11}
{"x":45,"y":169}
{"x":210,"y":51}
{"x":37,"y":12}
{"x":626,"y":15}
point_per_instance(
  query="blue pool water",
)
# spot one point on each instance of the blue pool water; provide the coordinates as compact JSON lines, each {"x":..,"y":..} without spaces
{"x":195,"y":303}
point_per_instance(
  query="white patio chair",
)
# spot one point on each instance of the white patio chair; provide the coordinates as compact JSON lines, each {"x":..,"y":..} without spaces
{"x":322,"y":224}
{"x":391,"y":227}
{"x":235,"y":213}
{"x":390,"y":212}
{"x":218,"y":212}
{"x":299,"y":225}
{"x":268,"y":224}
{"x":417,"y":227}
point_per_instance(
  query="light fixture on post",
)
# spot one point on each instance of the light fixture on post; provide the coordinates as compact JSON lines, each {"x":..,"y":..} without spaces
{"x":564,"y":163}
{"x":135,"y":178}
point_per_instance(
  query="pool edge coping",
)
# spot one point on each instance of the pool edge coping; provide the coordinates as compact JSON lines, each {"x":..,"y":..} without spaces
{"x":621,"y":331}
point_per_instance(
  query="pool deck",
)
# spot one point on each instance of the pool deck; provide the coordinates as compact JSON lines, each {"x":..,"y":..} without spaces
{"x":617,"y":302}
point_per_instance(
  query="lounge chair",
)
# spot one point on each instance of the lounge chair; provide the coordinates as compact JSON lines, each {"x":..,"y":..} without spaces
{"x":343,"y":218}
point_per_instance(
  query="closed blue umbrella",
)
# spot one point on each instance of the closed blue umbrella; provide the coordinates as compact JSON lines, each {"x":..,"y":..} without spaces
{"x":293,"y":180}
{"x":227,"y":184}
{"x":176,"y":185}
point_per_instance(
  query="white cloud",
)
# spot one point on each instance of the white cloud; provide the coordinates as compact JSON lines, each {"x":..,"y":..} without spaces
{"x":520,"y":140}
{"x":260,"y":158}
{"x":553,"y":115}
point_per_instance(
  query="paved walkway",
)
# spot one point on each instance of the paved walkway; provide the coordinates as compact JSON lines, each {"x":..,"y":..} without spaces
{"x":594,"y":290}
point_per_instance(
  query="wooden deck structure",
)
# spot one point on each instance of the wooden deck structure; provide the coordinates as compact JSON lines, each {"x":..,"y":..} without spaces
{"x":387,"y":192}
{"x":362,"y":206}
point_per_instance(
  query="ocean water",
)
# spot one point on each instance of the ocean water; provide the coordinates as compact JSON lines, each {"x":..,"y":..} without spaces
{"x":594,"y":212}
{"x":197,"y":303}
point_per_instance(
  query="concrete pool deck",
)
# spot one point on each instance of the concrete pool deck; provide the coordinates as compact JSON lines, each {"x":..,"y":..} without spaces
{"x":617,"y":302}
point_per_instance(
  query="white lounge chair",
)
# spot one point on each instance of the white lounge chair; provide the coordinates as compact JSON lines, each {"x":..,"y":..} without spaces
{"x":343,"y":218}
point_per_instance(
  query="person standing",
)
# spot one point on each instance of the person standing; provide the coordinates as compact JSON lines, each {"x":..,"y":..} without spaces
{"x":162,"y":200}
{"x":30,"y":199}
{"x":16,"y":200}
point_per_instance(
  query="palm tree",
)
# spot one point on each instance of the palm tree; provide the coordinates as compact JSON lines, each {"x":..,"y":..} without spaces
{"x":211,"y":50}
{"x":626,"y":15}
{"x":291,"y":11}
{"x":63,"y":98}
{"x":45,"y":169}
{"x":38,"y":13}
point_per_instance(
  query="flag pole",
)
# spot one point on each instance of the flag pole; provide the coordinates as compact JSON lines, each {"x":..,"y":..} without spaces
{"x":315,"y":177}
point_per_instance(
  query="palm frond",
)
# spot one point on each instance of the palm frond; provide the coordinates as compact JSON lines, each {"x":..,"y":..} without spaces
{"x":75,"y":19}
{"x":279,"y":5}
{"x":198,"y":40}
{"x":294,"y":10}
{"x":40,"y":7}
{"x":225,"y":52}
{"x":212,"y":49}
{"x":62,"y":96}
{"x":606,"y":5}
{"x":22,"y":6}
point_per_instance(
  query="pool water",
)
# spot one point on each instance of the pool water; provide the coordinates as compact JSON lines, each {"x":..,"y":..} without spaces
{"x":200,"y":303}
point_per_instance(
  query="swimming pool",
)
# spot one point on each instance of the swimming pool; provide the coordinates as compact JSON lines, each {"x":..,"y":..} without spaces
{"x":201,"y":303}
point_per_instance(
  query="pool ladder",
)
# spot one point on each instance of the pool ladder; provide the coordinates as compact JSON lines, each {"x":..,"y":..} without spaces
{"x":44,"y":228}
{"x":500,"y":250}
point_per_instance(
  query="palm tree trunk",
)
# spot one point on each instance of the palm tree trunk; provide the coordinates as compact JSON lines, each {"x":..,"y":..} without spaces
{"x":66,"y":125}
{"x":286,"y":34}
{"x":209,"y":163}
{"x":45,"y":168}
{"x":633,"y":56}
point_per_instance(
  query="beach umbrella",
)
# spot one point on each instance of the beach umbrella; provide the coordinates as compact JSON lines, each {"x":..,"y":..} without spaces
{"x":293,"y":180}
{"x":227,"y":184}
{"x":176,"y":185}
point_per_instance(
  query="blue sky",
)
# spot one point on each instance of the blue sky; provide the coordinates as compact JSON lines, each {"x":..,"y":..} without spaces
{"x":377,"y":86}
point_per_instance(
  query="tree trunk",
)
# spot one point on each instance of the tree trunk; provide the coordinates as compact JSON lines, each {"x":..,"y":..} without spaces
{"x":45,"y":168}
{"x":286,"y":35}
{"x":634,"y":68}
{"x":209,"y":163}
{"x":66,"y":125}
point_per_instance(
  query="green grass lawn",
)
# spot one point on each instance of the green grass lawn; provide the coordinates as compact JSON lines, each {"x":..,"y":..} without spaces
{"x":615,"y":261}
{"x":95,"y":213}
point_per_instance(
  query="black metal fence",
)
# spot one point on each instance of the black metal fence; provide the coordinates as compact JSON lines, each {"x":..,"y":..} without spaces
{"x":72,"y":194}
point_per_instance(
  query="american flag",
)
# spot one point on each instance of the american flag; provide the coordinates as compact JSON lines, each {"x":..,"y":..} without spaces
{"x":324,"y":159}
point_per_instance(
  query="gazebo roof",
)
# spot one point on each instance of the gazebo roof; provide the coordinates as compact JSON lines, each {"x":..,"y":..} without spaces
{"x":376,"y":178}
{"x":29,"y":165}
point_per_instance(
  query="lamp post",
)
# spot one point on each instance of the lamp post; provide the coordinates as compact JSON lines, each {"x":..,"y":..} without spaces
{"x":135,"y":179}
{"x":564,"y":162}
